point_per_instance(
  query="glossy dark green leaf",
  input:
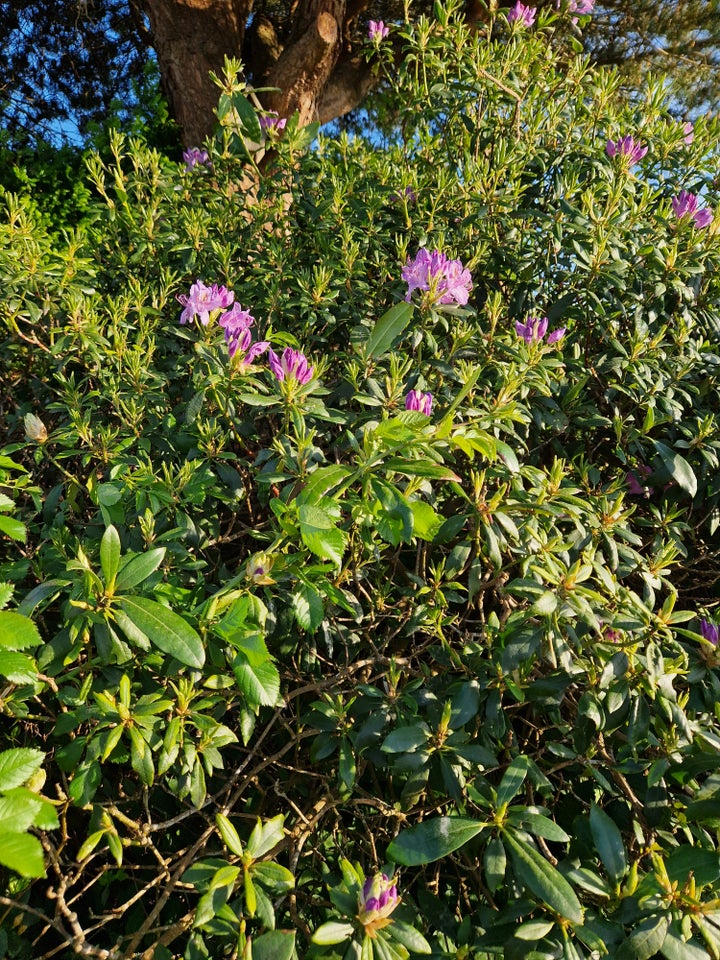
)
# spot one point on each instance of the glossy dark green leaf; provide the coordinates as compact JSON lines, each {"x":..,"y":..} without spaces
{"x":512,"y":780}
{"x":542,"y":879}
{"x":678,"y":467}
{"x":165,"y":629}
{"x":110,"y":556}
{"x":608,"y":843}
{"x":138,"y":568}
{"x":433,"y":839}
{"x":387,"y":329}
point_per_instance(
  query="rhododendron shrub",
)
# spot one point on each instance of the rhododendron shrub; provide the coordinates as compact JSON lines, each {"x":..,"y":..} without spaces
{"x":359,"y":528}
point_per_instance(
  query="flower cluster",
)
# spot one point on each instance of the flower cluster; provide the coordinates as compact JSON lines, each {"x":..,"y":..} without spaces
{"x":446,"y":281}
{"x":203,"y":301}
{"x":271,"y":123}
{"x":422,"y":402}
{"x":292,"y":365}
{"x":685,"y":205}
{"x":626,"y":148}
{"x":377,"y":31}
{"x":208,"y":303}
{"x":535,"y":328}
{"x":688,"y":133}
{"x":194,"y":157}
{"x":378,"y":898}
{"x":521,"y":15}
{"x":237,"y":322}
{"x":710,"y":632}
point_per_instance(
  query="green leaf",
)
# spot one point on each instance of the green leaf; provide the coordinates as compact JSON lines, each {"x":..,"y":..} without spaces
{"x":23,"y":853}
{"x":432,"y":839}
{"x":274,"y":945}
{"x":259,"y":682}
{"x":512,"y":780}
{"x":409,"y":937}
{"x":17,"y":667}
{"x":247,"y":116}
{"x":419,"y":468}
{"x":138,"y":568}
{"x":608,"y":843}
{"x":332,"y":932}
{"x":84,"y":783}
{"x":426,"y":522}
{"x":678,"y":468}
{"x":407,"y":738}
{"x":265,"y":836}
{"x":141,"y":757}
{"x":89,"y":844}
{"x":541,"y":826}
{"x":229,"y":834}
{"x":17,"y":632}
{"x":319,"y":534}
{"x":494,"y":863}
{"x":674,"y":948}
{"x":544,"y":605}
{"x":168,"y":631}
{"x":387,"y":329}
{"x":45,"y":816}
{"x":321,"y":482}
{"x":542,"y":879}
{"x":16,"y":530}
{"x":110,"y":556}
{"x":18,"y":765}
{"x":274,"y":876}
{"x":703,"y":864}
{"x":508,"y":456}
{"x":534,"y":930}
{"x":308,"y":607}
{"x":17,"y":813}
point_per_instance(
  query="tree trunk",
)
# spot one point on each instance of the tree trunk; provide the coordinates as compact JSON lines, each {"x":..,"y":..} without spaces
{"x":191,"y":38}
{"x":305,"y":65}
{"x":315,"y":70}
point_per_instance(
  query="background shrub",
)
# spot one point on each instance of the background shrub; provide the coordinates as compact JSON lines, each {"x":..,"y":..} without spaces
{"x":292,"y":635}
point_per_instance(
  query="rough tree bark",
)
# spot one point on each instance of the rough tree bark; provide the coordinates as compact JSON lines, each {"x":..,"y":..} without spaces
{"x":191,"y":38}
{"x":314,"y":69}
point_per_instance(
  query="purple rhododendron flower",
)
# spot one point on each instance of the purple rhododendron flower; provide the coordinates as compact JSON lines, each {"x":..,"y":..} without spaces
{"x":581,"y":7}
{"x":635,"y":487}
{"x":408,"y":194}
{"x":535,"y":328}
{"x":194,"y":156}
{"x":448,"y":281}
{"x":202,"y":301}
{"x":522,"y":15}
{"x":626,"y":147}
{"x":416,"y":400}
{"x":378,"y":898}
{"x":272,"y":123}
{"x":710,"y":632}
{"x":685,"y":204}
{"x":377,"y":31}
{"x":292,"y":364}
{"x":237,"y":322}
{"x":689,"y":133}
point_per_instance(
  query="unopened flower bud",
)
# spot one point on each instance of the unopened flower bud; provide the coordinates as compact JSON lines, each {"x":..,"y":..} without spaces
{"x":35,"y":429}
